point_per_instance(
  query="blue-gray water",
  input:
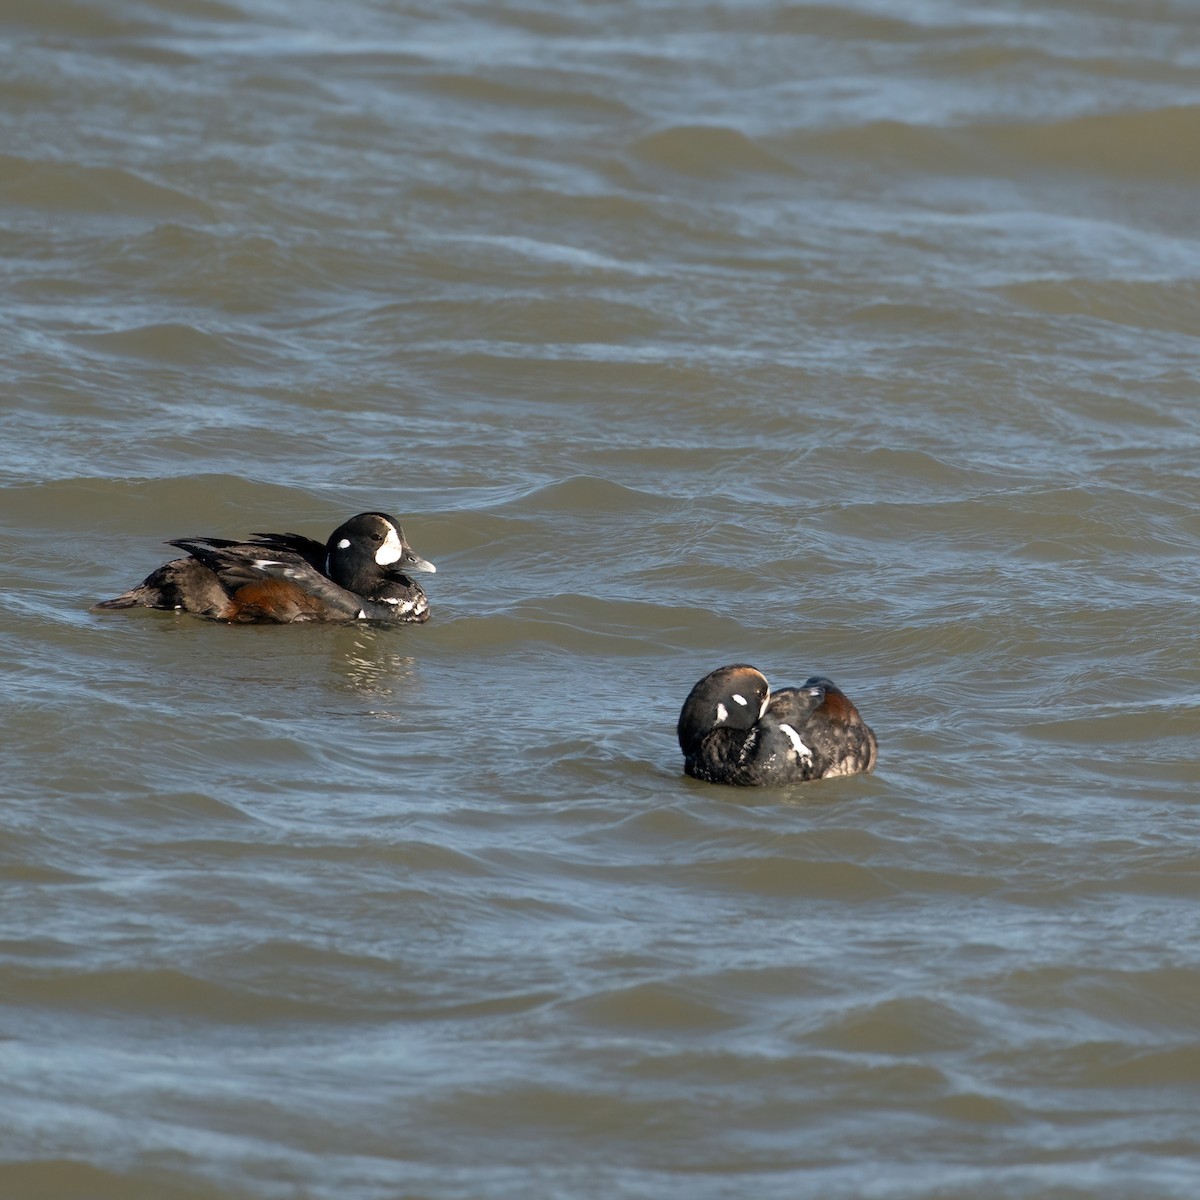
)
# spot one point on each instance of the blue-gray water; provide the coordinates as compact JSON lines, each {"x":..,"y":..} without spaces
{"x":857,"y":339}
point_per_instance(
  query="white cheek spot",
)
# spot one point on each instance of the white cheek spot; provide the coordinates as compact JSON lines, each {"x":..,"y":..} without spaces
{"x":722,"y":713}
{"x":797,"y":742}
{"x":740,"y":699}
{"x":391,"y":549}
{"x":344,"y":544}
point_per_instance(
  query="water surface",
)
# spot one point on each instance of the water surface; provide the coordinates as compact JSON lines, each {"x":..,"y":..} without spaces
{"x":836,"y":339}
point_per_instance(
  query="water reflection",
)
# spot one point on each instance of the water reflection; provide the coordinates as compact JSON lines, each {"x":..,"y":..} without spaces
{"x":366,"y":661}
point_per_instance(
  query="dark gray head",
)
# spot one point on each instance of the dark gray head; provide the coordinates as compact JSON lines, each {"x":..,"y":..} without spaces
{"x":369,"y":550}
{"x":733,"y":697}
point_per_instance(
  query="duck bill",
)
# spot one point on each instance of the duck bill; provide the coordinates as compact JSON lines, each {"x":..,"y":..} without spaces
{"x":414,"y":562}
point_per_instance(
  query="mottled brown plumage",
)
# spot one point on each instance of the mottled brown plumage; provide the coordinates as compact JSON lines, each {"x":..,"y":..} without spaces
{"x":733,"y":730}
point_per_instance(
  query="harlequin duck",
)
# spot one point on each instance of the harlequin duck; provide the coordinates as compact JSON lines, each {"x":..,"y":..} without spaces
{"x":734,"y":730}
{"x":358,"y":575}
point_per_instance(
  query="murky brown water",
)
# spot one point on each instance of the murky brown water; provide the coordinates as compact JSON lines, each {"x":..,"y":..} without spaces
{"x":852,"y":339}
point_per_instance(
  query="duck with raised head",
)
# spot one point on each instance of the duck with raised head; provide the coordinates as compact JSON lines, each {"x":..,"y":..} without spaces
{"x":360,"y":574}
{"x":734,"y":730}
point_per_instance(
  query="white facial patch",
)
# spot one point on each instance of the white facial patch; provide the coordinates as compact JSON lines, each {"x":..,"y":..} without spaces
{"x":391,"y":549}
{"x":722,"y":713}
{"x":344,"y":544}
{"x":797,"y":742}
{"x":740,"y":699}
{"x":766,"y":701}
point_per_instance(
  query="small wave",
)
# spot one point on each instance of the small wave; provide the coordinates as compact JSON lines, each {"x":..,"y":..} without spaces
{"x":1156,"y":305}
{"x":708,"y":152}
{"x":71,"y":187}
{"x":899,"y":1026}
{"x":173,"y":342}
{"x":157,"y":991}
{"x":657,"y":1005}
{"x":536,"y":92}
{"x":587,"y":493}
{"x":1153,"y":144}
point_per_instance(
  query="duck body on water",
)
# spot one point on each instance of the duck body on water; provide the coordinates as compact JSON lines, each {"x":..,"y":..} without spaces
{"x":734,"y":730}
{"x":359,"y":574}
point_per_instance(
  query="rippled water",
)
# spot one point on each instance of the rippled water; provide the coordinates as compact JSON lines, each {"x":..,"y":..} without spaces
{"x":857,"y":339}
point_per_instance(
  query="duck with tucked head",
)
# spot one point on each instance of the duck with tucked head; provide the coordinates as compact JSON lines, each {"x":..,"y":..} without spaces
{"x":360,"y":574}
{"x":734,"y":730}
